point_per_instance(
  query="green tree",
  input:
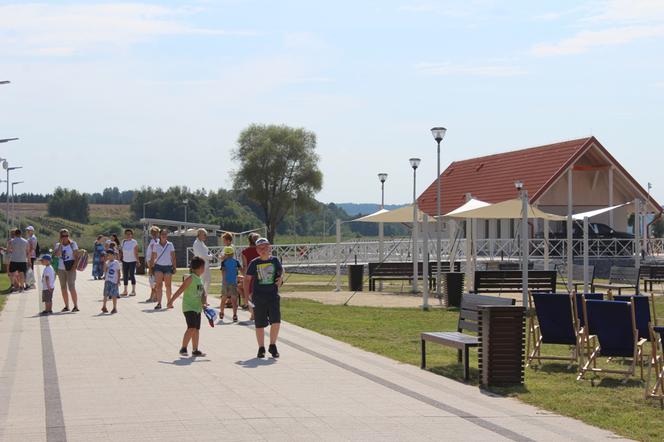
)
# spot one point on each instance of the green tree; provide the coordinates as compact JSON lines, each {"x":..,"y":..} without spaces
{"x":69,"y":204}
{"x":278,"y":168}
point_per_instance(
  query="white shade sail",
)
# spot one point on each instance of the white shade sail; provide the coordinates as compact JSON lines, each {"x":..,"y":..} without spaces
{"x":471,"y":204}
{"x":591,"y":213}
{"x":510,"y":209}
{"x":400,"y":215}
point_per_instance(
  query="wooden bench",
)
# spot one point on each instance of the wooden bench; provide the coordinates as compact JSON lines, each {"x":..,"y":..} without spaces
{"x":652,"y":274}
{"x":620,"y":278}
{"x":509,"y":281}
{"x":467,"y":321}
{"x":577,"y":275}
{"x":403,"y":271}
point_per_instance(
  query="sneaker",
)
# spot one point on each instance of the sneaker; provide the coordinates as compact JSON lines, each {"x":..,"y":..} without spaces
{"x":75,"y":309}
{"x":157,"y":307}
{"x":245,"y":307}
{"x":66,"y":309}
{"x":235,"y":318}
{"x":183,"y":352}
{"x":114,"y":311}
{"x":273,"y":350}
{"x":132,"y":294}
{"x":197,"y":354}
{"x":261,"y":352}
{"x":44,"y":313}
{"x":104,"y":310}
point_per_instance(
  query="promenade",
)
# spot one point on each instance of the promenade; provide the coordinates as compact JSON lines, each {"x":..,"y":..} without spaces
{"x":91,"y":377}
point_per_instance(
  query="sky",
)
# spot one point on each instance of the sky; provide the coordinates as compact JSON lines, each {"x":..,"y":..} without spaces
{"x":156,"y":93}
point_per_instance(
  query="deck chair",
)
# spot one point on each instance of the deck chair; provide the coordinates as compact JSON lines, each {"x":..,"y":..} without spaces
{"x":555,"y":325}
{"x":614,"y":323}
{"x":587,"y":337}
{"x":656,"y":365}
{"x":641,"y":312}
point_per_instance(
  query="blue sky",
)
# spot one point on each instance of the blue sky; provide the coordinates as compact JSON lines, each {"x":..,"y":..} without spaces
{"x":156,"y":93}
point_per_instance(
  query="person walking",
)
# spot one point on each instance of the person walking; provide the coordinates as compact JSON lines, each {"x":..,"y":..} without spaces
{"x":33,"y":243}
{"x":261,"y":283}
{"x":154,"y":239}
{"x":193,"y":302}
{"x":98,"y":257}
{"x":201,"y":250}
{"x":164,"y":266}
{"x":67,"y":252}
{"x":19,"y":256}
{"x":248,"y":255}
{"x":129,"y":256}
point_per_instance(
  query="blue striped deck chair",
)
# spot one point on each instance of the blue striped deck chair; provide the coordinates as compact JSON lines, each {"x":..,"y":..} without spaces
{"x":614,"y":324}
{"x":555,"y":325}
{"x":656,"y":365}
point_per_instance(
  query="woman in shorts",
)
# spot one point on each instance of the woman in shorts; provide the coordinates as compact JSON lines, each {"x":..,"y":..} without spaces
{"x":67,"y":252}
{"x":163,"y":266}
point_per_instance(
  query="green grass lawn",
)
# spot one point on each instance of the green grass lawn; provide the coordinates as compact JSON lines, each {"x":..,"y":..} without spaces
{"x":4,"y":289}
{"x":395,"y":333}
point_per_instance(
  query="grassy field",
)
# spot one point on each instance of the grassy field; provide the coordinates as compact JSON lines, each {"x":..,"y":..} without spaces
{"x":4,"y":289}
{"x":395,"y":333}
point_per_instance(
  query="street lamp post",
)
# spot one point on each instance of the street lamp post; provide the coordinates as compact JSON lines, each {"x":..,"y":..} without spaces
{"x":415,"y":163}
{"x":294,"y":198}
{"x":14,"y":217}
{"x":523,"y":194}
{"x":438,"y":135}
{"x":381,"y":228}
{"x":5,"y":165}
{"x":186,"y":203}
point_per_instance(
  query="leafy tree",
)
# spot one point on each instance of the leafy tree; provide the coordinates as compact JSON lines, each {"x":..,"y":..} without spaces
{"x":278,"y":168}
{"x":69,"y":204}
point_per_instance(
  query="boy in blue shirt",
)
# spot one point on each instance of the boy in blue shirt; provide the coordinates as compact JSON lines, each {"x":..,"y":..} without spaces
{"x":229,"y":289}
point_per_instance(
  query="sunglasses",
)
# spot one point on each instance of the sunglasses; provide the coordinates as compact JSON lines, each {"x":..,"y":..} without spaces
{"x":64,"y":236}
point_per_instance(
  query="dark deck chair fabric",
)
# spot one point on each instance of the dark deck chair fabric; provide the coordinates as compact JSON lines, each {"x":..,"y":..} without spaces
{"x":641,"y":311}
{"x":612,"y":323}
{"x":554,"y":315}
{"x":579,"y":306}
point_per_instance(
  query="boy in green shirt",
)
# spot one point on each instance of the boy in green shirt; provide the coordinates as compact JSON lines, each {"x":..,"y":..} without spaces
{"x":193,"y":301}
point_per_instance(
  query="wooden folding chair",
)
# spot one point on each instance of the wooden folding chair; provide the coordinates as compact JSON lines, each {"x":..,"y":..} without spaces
{"x":555,"y":325}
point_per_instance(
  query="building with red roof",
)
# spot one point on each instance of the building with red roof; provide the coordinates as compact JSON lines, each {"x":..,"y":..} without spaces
{"x":597,"y":180}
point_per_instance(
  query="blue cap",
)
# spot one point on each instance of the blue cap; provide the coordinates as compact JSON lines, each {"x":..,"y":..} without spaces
{"x":47,"y":257}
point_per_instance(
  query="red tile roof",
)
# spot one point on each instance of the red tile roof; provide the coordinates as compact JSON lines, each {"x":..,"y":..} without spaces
{"x":491,"y":178}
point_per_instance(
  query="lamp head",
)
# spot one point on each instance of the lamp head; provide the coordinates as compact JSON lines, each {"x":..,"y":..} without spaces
{"x":382,"y":177}
{"x":5,"y":164}
{"x":519,"y":185}
{"x":414,"y":163}
{"x":438,"y":133}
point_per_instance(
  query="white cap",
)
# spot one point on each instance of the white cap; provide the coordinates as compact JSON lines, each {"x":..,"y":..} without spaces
{"x":30,"y":228}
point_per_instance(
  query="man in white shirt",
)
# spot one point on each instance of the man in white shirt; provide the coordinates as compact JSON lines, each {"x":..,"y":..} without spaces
{"x":32,"y":242}
{"x":154,"y":238}
{"x":201,"y":250}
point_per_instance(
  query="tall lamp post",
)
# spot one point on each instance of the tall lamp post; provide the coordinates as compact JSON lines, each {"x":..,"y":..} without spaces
{"x":381,"y":231}
{"x":645,"y":220}
{"x":294,"y":198}
{"x":5,"y":165}
{"x":523,"y":194}
{"x":186,"y":203}
{"x":415,"y":163}
{"x":14,"y":217}
{"x":438,"y":135}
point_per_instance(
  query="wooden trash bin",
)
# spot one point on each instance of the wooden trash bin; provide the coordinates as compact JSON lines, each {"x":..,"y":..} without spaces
{"x":501,"y":331}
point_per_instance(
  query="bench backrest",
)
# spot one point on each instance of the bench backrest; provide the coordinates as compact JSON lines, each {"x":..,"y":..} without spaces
{"x":406,"y":268}
{"x":577,"y":272}
{"x":469,"y":306}
{"x":444,"y":267}
{"x":624,"y":275}
{"x":653,"y":271}
{"x":510,"y":281}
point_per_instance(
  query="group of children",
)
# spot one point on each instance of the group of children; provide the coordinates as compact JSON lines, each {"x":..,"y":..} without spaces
{"x":261,"y":281}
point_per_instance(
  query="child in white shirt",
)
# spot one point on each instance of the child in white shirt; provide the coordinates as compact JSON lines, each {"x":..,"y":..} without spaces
{"x":113,"y":270}
{"x":48,"y":285}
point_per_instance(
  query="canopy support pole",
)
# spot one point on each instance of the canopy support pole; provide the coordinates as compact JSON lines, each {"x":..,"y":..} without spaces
{"x":637,"y":242}
{"x":546,"y":244}
{"x":570,"y":247}
{"x":425,"y":262}
{"x":414,"y":252}
{"x":338,"y":256}
{"x":524,"y":248}
{"x":611,"y":196}
{"x":381,"y":249}
{"x":469,"y":271}
{"x":586,"y":252}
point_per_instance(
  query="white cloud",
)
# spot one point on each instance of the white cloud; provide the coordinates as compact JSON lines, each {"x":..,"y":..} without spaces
{"x":630,"y":11}
{"x":478,"y":70}
{"x":587,"y":40}
{"x":40,"y":29}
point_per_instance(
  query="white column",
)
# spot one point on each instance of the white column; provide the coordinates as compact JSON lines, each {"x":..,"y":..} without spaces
{"x":452,"y":229}
{"x":546,"y":244}
{"x":381,"y":250}
{"x":585,"y":256}
{"x":414,"y":252}
{"x":469,"y":271}
{"x":611,"y":196}
{"x":338,"y":256}
{"x":637,"y":234}
{"x":425,"y":262}
{"x":570,"y":250}
{"x":524,"y":248}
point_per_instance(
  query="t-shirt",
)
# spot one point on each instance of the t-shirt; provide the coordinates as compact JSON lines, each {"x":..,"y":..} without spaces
{"x":128,"y":246}
{"x":264,"y":273}
{"x":148,"y":250}
{"x":250,"y":253}
{"x":192,"y":300}
{"x":67,"y":252}
{"x":48,"y":271}
{"x":33,"y":242}
{"x":163,"y":253}
{"x":113,"y":272}
{"x":231,"y":265}
{"x":19,"y":250}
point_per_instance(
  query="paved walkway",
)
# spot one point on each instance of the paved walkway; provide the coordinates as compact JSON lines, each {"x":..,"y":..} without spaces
{"x":88,"y":377}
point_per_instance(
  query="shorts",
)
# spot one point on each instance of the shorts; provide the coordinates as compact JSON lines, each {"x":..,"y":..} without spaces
{"x":67,"y":279}
{"x":111,"y":289}
{"x":266,"y":311}
{"x":18,"y":267}
{"x":166,"y":270}
{"x":229,"y":290}
{"x":193,"y":319}
{"x":47,"y":295}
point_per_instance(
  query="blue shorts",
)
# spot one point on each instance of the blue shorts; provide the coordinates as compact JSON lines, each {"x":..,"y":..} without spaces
{"x":166,"y":270}
{"x":111,"y":290}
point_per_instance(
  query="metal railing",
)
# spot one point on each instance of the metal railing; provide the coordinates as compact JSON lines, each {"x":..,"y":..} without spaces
{"x":400,"y":250}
